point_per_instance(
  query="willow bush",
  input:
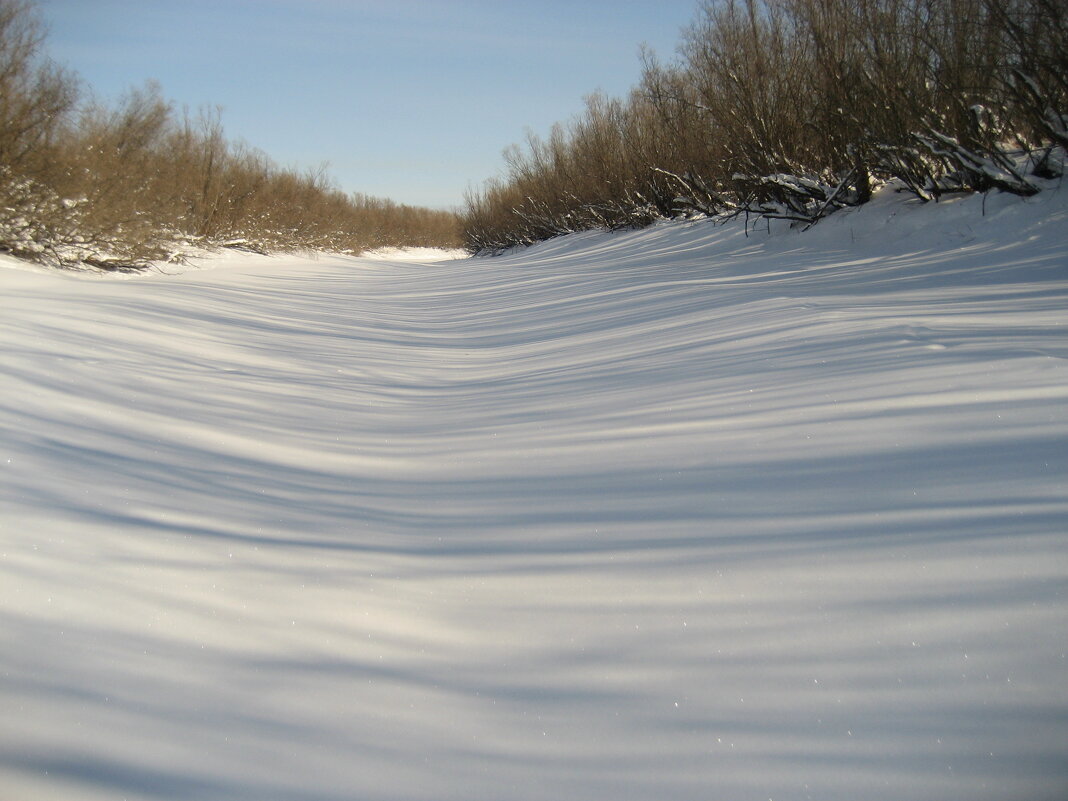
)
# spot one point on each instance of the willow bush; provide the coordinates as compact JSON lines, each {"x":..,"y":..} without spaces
{"x":796,"y":108}
{"x":121,"y":185}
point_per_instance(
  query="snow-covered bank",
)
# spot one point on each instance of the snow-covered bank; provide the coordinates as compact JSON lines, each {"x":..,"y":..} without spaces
{"x":673,"y":514}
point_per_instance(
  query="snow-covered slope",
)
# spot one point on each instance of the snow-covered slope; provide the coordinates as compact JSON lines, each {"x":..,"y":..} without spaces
{"x":682,"y":513}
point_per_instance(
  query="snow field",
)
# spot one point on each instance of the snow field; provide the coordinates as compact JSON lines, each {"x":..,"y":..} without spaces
{"x":689,"y":512}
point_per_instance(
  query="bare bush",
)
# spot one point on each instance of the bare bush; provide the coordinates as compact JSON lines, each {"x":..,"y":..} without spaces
{"x":35,"y":98}
{"x":796,"y":108}
{"x":119,"y":185}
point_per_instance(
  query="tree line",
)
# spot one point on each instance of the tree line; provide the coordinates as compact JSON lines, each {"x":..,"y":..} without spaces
{"x":125,"y":184}
{"x":795,"y":108}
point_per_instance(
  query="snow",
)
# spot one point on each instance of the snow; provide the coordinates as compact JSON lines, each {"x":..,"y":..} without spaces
{"x":417,"y":254}
{"x":689,"y":512}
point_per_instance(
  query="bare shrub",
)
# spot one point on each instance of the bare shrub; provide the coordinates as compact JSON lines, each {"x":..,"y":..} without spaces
{"x":35,"y":98}
{"x":119,"y":185}
{"x":113,"y":180}
{"x":796,"y":108}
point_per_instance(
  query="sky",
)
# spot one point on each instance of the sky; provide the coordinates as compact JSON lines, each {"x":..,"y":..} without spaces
{"x":409,"y":99}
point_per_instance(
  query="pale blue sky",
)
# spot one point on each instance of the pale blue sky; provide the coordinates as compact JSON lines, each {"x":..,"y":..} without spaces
{"x":409,"y":99}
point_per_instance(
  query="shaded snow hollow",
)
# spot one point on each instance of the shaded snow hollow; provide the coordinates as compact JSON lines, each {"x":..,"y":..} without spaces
{"x":673,"y":514}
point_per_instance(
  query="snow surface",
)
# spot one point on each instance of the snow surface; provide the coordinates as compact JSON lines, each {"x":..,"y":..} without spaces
{"x":681,"y":513}
{"x":414,"y":254}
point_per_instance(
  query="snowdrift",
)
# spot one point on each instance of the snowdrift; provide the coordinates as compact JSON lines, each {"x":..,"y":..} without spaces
{"x":698,"y":511}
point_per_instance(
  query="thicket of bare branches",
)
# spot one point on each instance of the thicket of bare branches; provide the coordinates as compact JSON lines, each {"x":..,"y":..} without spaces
{"x":120,"y":185}
{"x":795,"y":108}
